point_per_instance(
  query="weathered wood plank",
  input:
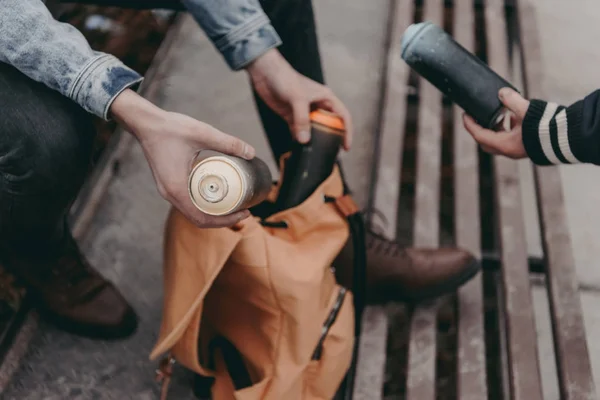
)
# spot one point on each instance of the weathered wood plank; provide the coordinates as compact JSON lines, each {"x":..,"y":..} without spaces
{"x":571,"y":349}
{"x":370,"y":373}
{"x":386,"y":192}
{"x":421,"y":377}
{"x":471,"y":379}
{"x":524,"y":371}
{"x":429,"y":140}
{"x":422,"y":344}
{"x":388,"y":166}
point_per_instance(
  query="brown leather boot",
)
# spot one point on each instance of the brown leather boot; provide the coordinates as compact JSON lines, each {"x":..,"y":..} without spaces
{"x":396,"y":273}
{"x":72,"y":295}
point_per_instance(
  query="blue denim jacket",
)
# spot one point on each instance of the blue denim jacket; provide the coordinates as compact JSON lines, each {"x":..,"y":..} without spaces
{"x":59,"y":56}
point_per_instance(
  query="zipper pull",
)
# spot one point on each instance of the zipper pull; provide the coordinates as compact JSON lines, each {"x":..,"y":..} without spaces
{"x":329,"y":323}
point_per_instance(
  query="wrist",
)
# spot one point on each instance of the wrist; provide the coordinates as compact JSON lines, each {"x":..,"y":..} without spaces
{"x":266,"y":62}
{"x":136,"y":114}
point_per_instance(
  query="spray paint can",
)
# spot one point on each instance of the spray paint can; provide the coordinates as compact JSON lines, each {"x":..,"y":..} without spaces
{"x":452,"y":69}
{"x":311,"y":163}
{"x":221,"y":184}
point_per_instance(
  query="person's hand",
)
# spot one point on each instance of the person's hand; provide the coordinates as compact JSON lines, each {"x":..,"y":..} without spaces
{"x":508,"y":143}
{"x":292,"y":95}
{"x":171,"y":142}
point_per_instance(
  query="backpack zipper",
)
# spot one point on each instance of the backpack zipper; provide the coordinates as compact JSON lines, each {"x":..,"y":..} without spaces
{"x":329,"y":323}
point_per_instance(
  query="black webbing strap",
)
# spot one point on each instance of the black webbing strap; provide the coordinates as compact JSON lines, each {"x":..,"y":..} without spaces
{"x":359,"y":291}
{"x":359,"y":283}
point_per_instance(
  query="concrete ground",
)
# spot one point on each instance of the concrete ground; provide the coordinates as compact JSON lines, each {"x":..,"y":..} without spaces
{"x":125,"y":239}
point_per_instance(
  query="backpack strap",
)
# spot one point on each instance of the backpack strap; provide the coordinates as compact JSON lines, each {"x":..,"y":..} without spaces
{"x":347,"y":207}
{"x":359,"y":283}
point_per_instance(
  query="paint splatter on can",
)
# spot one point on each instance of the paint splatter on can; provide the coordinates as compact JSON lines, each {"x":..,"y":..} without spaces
{"x":456,"y":72}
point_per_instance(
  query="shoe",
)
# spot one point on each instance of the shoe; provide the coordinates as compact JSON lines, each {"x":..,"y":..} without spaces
{"x":400,"y":274}
{"x":72,"y":295}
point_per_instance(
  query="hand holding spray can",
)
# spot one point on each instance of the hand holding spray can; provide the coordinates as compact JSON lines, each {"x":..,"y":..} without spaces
{"x":311,"y":163}
{"x":220,"y":184}
{"x":452,"y":69}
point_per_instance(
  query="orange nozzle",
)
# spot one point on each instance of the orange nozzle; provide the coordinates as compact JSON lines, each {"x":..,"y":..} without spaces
{"x":328,"y":119}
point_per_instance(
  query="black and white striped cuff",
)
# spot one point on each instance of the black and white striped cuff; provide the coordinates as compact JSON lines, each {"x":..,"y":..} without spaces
{"x":550,"y":133}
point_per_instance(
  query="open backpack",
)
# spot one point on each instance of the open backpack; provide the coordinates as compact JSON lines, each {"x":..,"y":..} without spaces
{"x":257,"y":306}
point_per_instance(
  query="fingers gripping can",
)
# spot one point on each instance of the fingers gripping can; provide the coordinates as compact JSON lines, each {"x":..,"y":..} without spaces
{"x":221,"y":184}
{"x":311,"y":163}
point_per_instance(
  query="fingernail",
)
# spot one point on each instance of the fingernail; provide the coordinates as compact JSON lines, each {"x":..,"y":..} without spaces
{"x":503,"y":93}
{"x":303,"y":136}
{"x":249,"y":152}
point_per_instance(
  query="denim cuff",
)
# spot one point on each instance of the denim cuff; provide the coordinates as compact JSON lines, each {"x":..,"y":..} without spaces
{"x":247,"y":42}
{"x":99,"y":83}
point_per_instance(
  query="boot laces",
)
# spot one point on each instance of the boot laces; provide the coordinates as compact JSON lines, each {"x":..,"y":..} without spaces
{"x":377,"y":242}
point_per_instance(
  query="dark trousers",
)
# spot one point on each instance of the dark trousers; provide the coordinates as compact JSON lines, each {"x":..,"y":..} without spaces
{"x":46,"y":140}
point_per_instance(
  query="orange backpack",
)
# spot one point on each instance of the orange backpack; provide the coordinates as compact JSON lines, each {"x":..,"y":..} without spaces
{"x":257,"y":306}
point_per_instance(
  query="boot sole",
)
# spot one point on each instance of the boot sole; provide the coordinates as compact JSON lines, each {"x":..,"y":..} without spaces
{"x":446,"y":287}
{"x":122,"y":331}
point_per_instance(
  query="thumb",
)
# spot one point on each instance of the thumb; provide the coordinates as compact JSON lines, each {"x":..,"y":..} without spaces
{"x":514,"y":102}
{"x":224,"y":143}
{"x":301,"y":123}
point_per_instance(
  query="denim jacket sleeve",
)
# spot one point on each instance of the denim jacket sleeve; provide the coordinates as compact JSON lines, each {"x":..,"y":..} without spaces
{"x":59,"y":56}
{"x":239,"y":29}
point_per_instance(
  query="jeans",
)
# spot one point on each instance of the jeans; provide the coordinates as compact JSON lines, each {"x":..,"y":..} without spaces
{"x":46,"y":143}
{"x":46,"y":140}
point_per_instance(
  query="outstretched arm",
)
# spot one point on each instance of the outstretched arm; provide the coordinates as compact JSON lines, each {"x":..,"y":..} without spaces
{"x":554,"y":134}
{"x":239,"y":29}
{"x":59,"y":56}
{"x":546,"y":132}
{"x":245,"y":37}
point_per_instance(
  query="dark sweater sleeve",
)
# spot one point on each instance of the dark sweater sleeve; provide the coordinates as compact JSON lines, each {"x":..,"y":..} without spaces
{"x":554,"y":134}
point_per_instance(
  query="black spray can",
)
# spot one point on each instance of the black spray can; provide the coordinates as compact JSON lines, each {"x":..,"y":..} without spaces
{"x":310,"y":164}
{"x":452,"y":69}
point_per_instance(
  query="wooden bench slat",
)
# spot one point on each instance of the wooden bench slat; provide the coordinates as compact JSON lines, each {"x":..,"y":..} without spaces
{"x":389,"y":166}
{"x":370,"y":374}
{"x":429,"y":145}
{"x":572,"y":353}
{"x":422,"y":343}
{"x":471,"y":379}
{"x":524,"y":371}
{"x":421,"y":376}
